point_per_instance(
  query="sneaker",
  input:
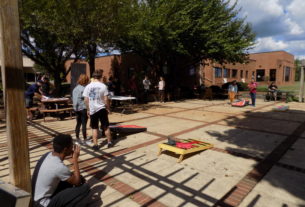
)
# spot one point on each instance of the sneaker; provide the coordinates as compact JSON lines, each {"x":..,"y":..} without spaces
{"x":78,"y":141}
{"x":110,"y":145}
{"x":95,"y":147}
{"x":88,"y":142}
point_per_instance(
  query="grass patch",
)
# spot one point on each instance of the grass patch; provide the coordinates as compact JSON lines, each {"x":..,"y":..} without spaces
{"x":294,"y":88}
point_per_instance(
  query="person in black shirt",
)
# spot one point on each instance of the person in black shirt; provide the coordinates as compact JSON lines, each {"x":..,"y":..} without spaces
{"x":46,"y":87}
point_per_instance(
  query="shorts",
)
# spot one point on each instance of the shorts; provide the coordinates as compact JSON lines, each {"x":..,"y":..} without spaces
{"x":102,"y":116}
{"x":28,"y":102}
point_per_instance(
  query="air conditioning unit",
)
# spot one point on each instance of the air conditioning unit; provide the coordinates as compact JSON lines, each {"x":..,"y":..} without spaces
{"x":11,"y":196}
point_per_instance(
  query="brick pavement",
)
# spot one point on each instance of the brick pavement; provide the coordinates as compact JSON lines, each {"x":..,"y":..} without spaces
{"x":125,"y":191}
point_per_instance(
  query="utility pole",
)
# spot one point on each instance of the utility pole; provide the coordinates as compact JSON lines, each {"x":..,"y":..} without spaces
{"x":13,"y":84}
{"x":301,"y":97}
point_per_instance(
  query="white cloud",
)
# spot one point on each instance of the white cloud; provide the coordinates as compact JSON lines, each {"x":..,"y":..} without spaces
{"x":279,"y":24}
{"x":294,"y":28}
{"x":269,"y":44}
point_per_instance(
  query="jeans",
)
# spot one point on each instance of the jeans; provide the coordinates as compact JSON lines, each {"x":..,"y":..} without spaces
{"x":253,"y":97}
{"x":69,"y":196}
{"x":81,"y":120}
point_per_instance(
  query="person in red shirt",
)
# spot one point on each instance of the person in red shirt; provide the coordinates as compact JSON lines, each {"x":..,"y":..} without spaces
{"x":252,"y":86}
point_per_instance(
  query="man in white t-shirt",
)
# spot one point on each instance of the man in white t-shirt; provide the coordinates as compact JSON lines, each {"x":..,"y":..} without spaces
{"x":98,"y":107}
{"x":53,"y":183}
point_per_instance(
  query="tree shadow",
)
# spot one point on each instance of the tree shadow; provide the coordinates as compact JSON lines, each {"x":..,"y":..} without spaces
{"x":266,"y":137}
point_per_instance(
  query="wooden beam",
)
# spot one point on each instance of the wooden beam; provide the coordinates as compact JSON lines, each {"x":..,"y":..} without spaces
{"x":301,"y":95}
{"x":13,"y":82}
{"x":301,"y":85}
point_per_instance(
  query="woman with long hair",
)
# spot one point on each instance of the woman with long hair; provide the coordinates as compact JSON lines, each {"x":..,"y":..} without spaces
{"x":80,"y":108}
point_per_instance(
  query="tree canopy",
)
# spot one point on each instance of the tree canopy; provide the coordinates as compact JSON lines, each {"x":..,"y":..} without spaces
{"x":55,"y":31}
{"x":160,"y":31}
{"x":199,"y":29}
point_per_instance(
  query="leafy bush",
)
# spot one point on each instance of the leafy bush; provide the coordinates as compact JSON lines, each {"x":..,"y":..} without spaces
{"x":241,"y":86}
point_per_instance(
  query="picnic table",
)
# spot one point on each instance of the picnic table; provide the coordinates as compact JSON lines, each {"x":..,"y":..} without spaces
{"x":125,"y":100}
{"x":55,"y":105}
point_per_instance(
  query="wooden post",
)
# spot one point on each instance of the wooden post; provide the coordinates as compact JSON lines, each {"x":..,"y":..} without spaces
{"x":301,"y":99}
{"x":13,"y":82}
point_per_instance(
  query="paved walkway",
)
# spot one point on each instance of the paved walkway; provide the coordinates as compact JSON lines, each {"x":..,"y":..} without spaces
{"x":257,"y":159}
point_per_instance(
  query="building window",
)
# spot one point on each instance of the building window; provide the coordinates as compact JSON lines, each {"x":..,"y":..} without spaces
{"x":234,"y":73}
{"x":218,"y":72}
{"x":260,"y":75}
{"x":226,"y":73}
{"x":241,"y":74}
{"x":287,"y":73}
{"x":246,"y":74}
{"x":272,"y":75}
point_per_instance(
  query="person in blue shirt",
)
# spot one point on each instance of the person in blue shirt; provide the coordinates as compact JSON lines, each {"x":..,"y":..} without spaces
{"x":232,"y":91}
{"x":80,"y":108}
{"x":33,"y":90}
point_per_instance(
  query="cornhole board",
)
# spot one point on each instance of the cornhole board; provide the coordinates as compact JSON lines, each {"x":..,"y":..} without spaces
{"x":127,"y":128}
{"x":241,"y":103}
{"x":281,"y":108}
{"x":196,"y":147}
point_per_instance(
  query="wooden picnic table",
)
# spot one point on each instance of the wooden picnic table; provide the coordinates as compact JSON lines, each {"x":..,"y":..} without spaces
{"x":55,"y":105}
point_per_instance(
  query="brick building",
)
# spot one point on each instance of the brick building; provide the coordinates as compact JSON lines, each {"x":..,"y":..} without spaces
{"x":277,"y":66}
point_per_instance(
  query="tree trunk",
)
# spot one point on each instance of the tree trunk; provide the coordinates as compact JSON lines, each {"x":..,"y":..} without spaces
{"x":91,"y":57}
{"x":57,"y":85}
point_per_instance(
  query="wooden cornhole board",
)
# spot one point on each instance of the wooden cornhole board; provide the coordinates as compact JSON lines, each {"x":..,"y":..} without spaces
{"x":196,"y":147}
{"x":280,"y":108}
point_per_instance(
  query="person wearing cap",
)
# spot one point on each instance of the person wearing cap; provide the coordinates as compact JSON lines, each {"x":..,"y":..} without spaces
{"x":98,"y":107}
{"x":53,"y":184}
{"x":33,"y":90}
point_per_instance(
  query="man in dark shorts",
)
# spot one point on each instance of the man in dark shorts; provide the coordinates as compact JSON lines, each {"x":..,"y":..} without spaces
{"x":98,"y":107}
{"x":29,"y":95}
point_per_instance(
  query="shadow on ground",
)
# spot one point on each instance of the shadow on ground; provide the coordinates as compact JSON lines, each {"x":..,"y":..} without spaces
{"x":267,"y":137}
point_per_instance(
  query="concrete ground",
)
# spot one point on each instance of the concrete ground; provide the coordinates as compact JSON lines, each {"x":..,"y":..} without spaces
{"x":257,"y":159}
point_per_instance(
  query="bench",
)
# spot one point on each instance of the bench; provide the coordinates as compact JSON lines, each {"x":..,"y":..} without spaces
{"x":43,"y":111}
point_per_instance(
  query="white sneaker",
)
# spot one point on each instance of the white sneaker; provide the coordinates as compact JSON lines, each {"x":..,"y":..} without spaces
{"x":88,"y":142}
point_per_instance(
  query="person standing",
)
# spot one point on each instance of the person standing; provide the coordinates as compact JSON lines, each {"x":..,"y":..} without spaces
{"x":80,"y":109}
{"x":98,"y":107}
{"x":232,"y":91}
{"x":133,"y":87}
{"x":146,"y":85}
{"x":252,"y":86}
{"x":161,"y":87}
{"x":46,"y":87}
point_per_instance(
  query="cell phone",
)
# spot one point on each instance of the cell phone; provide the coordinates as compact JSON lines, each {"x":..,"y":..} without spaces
{"x":77,"y":143}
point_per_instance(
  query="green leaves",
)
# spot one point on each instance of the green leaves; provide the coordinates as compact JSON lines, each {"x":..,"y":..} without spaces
{"x":208,"y":29}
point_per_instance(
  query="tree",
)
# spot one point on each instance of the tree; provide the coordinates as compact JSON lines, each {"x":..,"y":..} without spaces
{"x":164,"y":31}
{"x":55,"y":31}
{"x":297,"y":63}
{"x":43,"y":41}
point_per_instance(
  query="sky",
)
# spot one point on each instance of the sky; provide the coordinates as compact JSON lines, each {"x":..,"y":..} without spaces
{"x":278,"y":24}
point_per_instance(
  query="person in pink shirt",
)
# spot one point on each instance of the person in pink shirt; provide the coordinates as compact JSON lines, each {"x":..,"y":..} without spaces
{"x":252,"y":86}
